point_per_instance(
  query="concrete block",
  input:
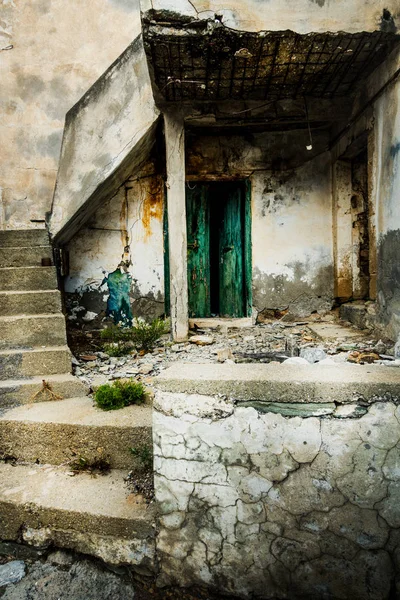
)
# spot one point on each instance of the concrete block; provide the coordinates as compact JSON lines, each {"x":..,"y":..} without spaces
{"x":284,"y":383}
{"x":30,"y":303}
{"x":15,"y":364}
{"x":28,"y":278}
{"x":22,"y":391}
{"x":30,"y":256}
{"x":23,"y":237}
{"x":56,"y":432}
{"x":28,"y":331}
{"x":354,"y":313}
{"x":96,"y":516}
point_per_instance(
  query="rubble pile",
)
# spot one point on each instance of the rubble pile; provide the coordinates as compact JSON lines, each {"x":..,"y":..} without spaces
{"x":318,"y":343}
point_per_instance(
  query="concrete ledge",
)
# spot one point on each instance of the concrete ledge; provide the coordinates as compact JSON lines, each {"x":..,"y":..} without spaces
{"x":30,"y":256}
{"x":97,"y":516}
{"x":23,"y":237}
{"x":30,"y":303}
{"x":22,"y":391}
{"x":56,"y":432}
{"x":28,"y":331}
{"x":285,"y":383}
{"x":28,"y":278}
{"x":15,"y":364}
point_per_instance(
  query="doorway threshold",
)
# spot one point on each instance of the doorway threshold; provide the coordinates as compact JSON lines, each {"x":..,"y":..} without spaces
{"x":215,"y":322}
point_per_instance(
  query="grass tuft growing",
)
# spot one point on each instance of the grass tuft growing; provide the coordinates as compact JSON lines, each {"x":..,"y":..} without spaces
{"x":145,"y":335}
{"x":119,"y":394}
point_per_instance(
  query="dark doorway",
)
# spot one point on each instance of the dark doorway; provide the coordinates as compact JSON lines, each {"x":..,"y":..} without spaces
{"x":219,"y":249}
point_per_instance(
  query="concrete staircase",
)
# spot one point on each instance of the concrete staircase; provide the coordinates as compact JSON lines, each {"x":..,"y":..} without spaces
{"x":33,"y":343}
{"x":41,"y":433}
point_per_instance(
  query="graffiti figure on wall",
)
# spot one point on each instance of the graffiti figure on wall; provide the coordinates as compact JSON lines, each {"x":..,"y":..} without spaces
{"x":118,"y":302}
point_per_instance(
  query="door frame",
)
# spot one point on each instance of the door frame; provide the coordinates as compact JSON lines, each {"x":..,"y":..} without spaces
{"x":248,"y":279}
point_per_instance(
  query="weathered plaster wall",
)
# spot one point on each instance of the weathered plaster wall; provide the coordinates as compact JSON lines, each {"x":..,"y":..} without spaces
{"x":292,"y":238}
{"x":267,"y":506}
{"x":386,"y":186}
{"x":107,"y":135}
{"x":51,"y":52}
{"x":302,"y":16}
{"x":127,"y":230}
{"x":292,"y":253}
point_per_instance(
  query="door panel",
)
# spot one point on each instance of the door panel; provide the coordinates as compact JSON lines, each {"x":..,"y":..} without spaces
{"x":231,"y":252}
{"x":198,"y":250}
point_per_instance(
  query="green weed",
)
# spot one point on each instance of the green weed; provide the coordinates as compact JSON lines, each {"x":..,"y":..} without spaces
{"x":144,"y":454}
{"x":119,"y":394}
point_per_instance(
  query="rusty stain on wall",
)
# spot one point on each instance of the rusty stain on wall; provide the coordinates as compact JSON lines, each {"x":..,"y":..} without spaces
{"x":153,"y":205}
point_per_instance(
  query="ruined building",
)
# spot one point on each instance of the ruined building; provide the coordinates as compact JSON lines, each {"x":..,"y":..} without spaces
{"x":235,"y":159}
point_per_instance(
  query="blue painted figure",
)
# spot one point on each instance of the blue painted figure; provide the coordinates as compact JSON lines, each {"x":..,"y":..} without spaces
{"x":118,"y":303}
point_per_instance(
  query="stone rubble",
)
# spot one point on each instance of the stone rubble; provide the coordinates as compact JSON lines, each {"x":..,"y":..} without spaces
{"x":288,"y":343}
{"x":11,"y":572}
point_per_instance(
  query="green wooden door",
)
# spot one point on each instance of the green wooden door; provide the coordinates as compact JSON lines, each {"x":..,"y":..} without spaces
{"x":218,"y":249}
{"x":198,"y":250}
{"x":231,"y":251}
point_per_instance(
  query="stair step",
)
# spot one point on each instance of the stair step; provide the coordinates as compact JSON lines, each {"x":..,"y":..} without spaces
{"x":57,"y":431}
{"x":30,"y":303}
{"x":22,"y":391}
{"x":28,"y":331}
{"x":15,"y":364}
{"x":29,"y":256}
{"x":28,"y":278}
{"x":23,"y":237}
{"x":91,"y":515}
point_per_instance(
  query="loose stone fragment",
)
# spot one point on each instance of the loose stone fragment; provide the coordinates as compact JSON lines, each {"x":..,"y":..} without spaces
{"x":224,"y":354}
{"x":295,"y":360}
{"x":312,"y":355}
{"x":202,"y":340}
{"x":12,"y":572}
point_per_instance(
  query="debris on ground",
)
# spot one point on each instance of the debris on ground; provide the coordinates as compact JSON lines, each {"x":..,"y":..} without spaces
{"x":318,"y":341}
{"x":141,"y":482}
{"x":64,"y":575}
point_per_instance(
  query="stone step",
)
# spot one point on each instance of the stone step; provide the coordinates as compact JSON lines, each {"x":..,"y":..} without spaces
{"x":93,"y":515}
{"x":340,"y":383}
{"x":57,"y":431}
{"x":28,"y":331}
{"x":28,"y":278}
{"x":31,"y":256}
{"x":23,"y":237}
{"x":30,"y":303}
{"x":23,"y":391}
{"x":15,"y":364}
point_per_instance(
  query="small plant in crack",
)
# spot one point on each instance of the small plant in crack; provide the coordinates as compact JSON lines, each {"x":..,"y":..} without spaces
{"x":144,"y":453}
{"x":95,"y":466}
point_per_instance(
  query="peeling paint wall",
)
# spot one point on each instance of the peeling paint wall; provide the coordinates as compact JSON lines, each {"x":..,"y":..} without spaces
{"x":302,"y":16}
{"x":51,"y":52}
{"x":125,"y":235}
{"x":270,"y":506}
{"x":292,"y":254}
{"x":386,"y":186}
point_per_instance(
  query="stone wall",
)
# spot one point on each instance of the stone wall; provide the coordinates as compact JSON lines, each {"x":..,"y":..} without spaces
{"x":262,"y":505}
{"x":52,"y":51}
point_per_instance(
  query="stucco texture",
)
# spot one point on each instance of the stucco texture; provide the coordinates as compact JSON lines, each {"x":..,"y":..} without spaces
{"x":51,"y":52}
{"x":128,"y":228}
{"x":386,"y":186}
{"x":264,"y":506}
